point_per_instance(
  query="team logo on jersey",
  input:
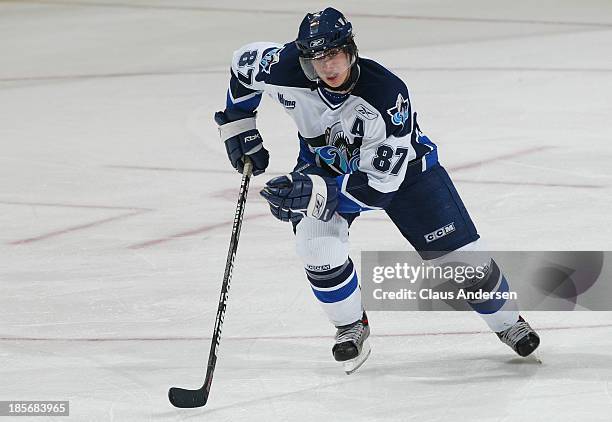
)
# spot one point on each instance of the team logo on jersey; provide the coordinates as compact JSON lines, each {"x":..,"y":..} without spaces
{"x":366,"y":112}
{"x":269,"y":58}
{"x":340,"y":154}
{"x":401,"y":112}
{"x":288,"y":104}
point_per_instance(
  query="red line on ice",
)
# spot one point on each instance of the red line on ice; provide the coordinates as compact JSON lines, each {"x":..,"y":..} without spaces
{"x":225,"y":192}
{"x":313,"y":337}
{"x":74,"y":228}
{"x":229,"y":171}
{"x":184,"y":169}
{"x":192,"y":232}
{"x":508,"y":182}
{"x":497,"y":158}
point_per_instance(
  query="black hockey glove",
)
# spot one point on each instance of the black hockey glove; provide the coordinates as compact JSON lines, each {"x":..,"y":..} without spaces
{"x":296,"y":195}
{"x":241,"y":138}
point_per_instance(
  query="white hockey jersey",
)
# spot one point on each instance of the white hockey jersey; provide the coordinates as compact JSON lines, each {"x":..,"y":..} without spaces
{"x":368,"y":139}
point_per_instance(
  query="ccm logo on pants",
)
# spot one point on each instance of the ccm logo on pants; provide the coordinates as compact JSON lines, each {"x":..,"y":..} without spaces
{"x":441,"y":232}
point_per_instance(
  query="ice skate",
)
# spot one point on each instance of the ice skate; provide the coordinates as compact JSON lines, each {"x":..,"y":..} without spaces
{"x":521,"y":338}
{"x":352,"y":347}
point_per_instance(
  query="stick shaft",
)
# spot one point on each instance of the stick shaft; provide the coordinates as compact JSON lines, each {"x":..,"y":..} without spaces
{"x":227,"y":277}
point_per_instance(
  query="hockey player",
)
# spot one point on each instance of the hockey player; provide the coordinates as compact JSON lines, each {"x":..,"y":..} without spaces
{"x":361,"y":149}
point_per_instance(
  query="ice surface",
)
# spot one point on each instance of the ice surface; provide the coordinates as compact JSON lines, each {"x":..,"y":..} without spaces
{"x":116,"y":201}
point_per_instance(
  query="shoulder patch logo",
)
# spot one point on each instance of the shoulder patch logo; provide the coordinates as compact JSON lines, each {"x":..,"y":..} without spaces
{"x":366,"y":112}
{"x":401,"y":112}
{"x":269,"y":58}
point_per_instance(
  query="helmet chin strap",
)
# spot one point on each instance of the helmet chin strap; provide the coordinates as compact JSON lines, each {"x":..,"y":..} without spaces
{"x":348,"y":85}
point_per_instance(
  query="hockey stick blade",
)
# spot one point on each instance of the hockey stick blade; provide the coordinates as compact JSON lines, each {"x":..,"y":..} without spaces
{"x":180,"y":397}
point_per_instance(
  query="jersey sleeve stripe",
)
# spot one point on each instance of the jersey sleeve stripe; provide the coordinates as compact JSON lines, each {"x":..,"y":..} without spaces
{"x":247,"y":105}
{"x":237,"y":92}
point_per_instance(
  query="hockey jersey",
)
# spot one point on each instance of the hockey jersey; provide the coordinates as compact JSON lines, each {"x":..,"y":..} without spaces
{"x":369,"y":138}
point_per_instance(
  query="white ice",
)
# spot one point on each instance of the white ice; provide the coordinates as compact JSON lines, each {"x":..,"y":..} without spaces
{"x":116,"y":201}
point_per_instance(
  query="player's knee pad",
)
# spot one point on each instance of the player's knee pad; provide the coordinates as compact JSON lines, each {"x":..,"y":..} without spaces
{"x":474,"y":257}
{"x":475,"y":270}
{"x":499,"y":313}
{"x":322,"y":245}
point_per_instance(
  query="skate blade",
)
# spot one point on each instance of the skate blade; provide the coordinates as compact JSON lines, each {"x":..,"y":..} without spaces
{"x":535,"y":356}
{"x":352,"y":365}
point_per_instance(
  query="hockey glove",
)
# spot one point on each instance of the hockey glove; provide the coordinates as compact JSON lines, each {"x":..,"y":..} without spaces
{"x":296,"y":195}
{"x":241,"y":138}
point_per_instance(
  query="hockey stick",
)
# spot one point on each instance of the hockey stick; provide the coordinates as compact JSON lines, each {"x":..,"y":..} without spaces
{"x":181,"y":397}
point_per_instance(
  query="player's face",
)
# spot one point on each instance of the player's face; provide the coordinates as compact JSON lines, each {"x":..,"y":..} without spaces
{"x":333,"y":68}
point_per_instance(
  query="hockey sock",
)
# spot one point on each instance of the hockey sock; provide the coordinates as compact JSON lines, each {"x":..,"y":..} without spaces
{"x":499,"y":314}
{"x":338,"y":292}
